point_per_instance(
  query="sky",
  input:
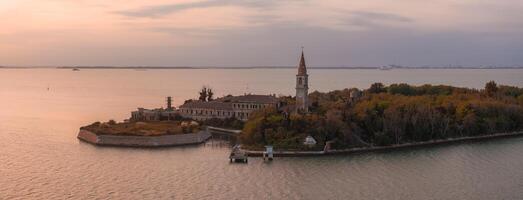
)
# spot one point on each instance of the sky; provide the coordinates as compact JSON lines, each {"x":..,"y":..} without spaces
{"x":261,"y":32}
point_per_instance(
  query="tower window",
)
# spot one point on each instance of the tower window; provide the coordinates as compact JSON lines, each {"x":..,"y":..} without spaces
{"x":300,"y":81}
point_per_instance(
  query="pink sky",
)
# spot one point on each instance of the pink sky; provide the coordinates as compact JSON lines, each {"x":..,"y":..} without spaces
{"x":270,"y":32}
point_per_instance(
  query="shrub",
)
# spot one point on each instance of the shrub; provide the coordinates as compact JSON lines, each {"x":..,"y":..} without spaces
{"x":111,"y":122}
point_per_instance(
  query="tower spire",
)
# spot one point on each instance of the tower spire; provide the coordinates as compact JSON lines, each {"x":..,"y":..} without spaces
{"x":302,"y":86}
{"x":302,"y":69}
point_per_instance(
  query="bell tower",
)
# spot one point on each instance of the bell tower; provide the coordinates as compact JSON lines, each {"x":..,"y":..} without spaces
{"x":302,"y":86}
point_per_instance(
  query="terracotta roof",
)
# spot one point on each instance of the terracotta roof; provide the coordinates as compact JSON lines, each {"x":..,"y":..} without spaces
{"x":250,"y":98}
{"x":208,"y":105}
{"x":302,"y":69}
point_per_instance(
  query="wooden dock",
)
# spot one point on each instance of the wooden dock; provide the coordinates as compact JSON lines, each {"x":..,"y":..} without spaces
{"x":238,"y":155}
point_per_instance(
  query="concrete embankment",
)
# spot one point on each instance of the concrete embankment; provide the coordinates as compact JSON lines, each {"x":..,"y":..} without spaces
{"x":384,"y":148}
{"x":144,"y":141}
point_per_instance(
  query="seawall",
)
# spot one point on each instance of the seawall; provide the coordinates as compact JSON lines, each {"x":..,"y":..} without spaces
{"x":143,"y":141}
{"x":278,"y":153}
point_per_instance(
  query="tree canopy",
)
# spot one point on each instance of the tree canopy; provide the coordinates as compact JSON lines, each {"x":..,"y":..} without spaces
{"x":399,"y":113}
{"x":206,"y":94}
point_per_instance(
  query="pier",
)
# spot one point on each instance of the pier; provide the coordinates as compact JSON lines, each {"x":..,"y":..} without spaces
{"x":229,"y":135}
{"x":238,"y":155}
{"x":222,"y":131}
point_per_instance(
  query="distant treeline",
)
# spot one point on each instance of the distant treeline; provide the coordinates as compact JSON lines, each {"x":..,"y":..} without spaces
{"x":385,"y":115}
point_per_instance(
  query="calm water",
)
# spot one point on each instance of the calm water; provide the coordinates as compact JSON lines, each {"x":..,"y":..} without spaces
{"x":40,"y":157}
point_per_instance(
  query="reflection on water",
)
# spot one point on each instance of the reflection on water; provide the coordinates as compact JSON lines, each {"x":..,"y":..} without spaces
{"x":40,"y":156}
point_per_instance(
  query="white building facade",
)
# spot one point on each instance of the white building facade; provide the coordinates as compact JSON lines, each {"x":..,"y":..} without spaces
{"x":239,"y":107}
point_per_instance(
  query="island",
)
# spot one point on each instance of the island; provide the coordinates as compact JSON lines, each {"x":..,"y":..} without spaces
{"x":386,"y":117}
{"x":321,"y":123}
{"x":143,"y":134}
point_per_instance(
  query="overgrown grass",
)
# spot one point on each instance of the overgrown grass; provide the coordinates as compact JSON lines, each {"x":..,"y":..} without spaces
{"x":141,"y":128}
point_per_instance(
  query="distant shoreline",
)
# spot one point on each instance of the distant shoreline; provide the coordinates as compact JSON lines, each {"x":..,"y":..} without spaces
{"x":233,"y":68}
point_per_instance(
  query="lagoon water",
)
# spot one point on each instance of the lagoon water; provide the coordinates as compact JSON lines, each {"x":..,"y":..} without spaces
{"x":40,"y":157}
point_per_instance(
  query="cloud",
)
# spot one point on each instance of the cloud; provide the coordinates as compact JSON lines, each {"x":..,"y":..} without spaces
{"x":278,"y":44}
{"x":261,"y":32}
{"x":368,"y":19}
{"x":380,"y":16}
{"x":161,"y":10}
{"x":191,"y":32}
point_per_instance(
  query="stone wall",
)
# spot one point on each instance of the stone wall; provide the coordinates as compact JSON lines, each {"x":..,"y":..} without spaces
{"x":144,"y":141}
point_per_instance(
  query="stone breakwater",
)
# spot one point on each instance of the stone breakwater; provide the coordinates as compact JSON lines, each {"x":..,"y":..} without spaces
{"x":279,"y":153}
{"x":144,"y":141}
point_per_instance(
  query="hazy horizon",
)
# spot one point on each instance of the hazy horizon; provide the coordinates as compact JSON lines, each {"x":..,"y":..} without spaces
{"x":261,"y":33}
{"x":259,"y":67}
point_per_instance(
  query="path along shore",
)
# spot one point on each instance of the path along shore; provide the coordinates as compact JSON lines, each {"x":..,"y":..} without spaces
{"x":277,"y":153}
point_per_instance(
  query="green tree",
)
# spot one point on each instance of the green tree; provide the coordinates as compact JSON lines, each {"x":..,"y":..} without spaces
{"x":402,"y":88}
{"x":210,"y":94}
{"x":111,"y":122}
{"x":491,"y":88}
{"x":203,"y":94}
{"x":377,"y":88}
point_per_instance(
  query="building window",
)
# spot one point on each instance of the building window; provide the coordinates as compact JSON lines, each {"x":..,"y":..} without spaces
{"x":300,"y":81}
